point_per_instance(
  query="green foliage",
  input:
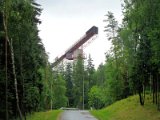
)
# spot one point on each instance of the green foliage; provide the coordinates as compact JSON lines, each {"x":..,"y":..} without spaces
{"x":114,"y":73}
{"x":46,"y":87}
{"x":78,"y":79}
{"x":90,"y":73}
{"x":132,"y":64}
{"x":96,"y":97}
{"x":114,"y":86}
{"x":31,"y":66}
{"x":140,"y":17}
{"x":32,"y":97}
{"x":59,"y":89}
{"x":69,"y":84}
{"x":100,"y":75}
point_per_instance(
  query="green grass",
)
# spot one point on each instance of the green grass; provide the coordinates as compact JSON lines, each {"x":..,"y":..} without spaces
{"x":49,"y":115}
{"x":129,"y":109}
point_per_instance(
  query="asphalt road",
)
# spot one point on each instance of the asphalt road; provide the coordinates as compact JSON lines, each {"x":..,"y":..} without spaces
{"x":76,"y":115}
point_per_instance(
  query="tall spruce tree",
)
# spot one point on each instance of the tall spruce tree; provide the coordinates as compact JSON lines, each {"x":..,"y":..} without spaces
{"x":69,"y":84}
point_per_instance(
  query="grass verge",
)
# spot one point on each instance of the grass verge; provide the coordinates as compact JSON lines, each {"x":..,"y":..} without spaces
{"x":129,"y":109}
{"x":49,"y":115}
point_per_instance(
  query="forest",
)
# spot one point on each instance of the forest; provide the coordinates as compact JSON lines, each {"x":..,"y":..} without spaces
{"x":29,"y":83}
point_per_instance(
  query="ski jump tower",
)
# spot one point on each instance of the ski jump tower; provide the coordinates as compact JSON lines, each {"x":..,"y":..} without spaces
{"x":74,"y":51}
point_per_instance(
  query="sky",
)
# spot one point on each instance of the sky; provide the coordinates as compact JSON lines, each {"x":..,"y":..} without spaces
{"x":65,"y":21}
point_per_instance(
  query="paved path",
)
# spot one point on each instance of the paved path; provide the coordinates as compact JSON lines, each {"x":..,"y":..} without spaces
{"x":76,"y":115}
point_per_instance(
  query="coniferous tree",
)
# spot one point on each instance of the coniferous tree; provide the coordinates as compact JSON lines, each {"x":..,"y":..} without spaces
{"x":78,"y":82}
{"x":69,"y":84}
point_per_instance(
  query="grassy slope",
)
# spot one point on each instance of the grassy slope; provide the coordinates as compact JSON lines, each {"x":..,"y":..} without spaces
{"x":129,"y":109}
{"x":49,"y":115}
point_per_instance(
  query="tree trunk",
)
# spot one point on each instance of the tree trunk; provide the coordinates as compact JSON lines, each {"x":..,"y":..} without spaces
{"x":156,"y":87}
{"x":15,"y":80}
{"x":153,"y":87}
{"x":13,"y":64}
{"x":158,"y":102}
{"x":6,"y":58}
{"x":141,"y":94}
{"x":6,"y":66}
{"x":141,"y":99}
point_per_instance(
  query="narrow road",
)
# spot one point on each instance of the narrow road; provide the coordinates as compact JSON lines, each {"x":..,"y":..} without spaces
{"x":76,"y":115}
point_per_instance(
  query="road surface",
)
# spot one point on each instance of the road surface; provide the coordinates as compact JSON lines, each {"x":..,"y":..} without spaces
{"x":77,"y":115}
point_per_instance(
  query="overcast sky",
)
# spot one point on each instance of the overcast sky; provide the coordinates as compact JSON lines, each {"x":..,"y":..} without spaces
{"x":65,"y":21}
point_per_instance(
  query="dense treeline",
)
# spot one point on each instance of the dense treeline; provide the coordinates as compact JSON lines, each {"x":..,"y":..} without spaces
{"x":132,"y":64}
{"x":79,"y":79}
{"x":27,"y":83}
